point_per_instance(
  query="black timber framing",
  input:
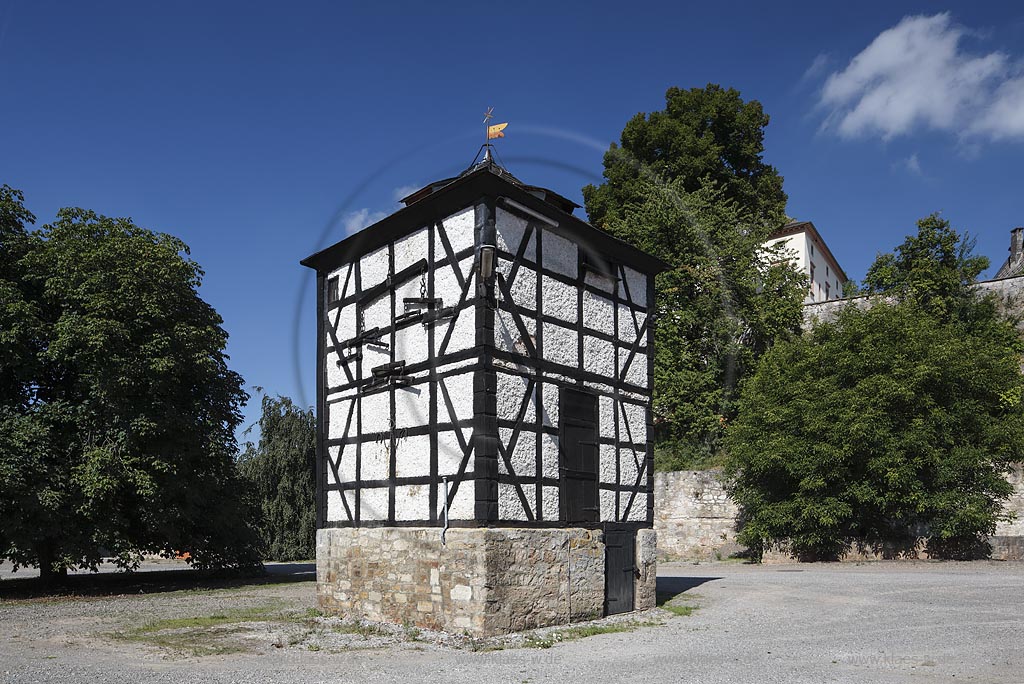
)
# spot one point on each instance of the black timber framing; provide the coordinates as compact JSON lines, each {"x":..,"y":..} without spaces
{"x":485,"y":383}
{"x":483,"y":191}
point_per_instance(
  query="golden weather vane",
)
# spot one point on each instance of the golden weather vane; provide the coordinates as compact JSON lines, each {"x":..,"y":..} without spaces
{"x":494,"y":131}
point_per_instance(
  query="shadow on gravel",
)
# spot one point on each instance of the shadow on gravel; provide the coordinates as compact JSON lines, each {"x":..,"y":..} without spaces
{"x":156,"y":581}
{"x":677,"y":585}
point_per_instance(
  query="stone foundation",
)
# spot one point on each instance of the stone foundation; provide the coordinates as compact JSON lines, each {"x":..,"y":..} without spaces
{"x":484,"y":581}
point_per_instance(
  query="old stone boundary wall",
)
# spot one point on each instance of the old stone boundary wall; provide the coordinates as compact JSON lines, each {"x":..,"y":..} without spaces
{"x":696,"y":520}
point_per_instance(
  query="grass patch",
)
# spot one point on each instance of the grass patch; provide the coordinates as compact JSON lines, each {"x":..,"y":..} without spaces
{"x":573,"y":633}
{"x":676,"y":603}
{"x":205,"y":635}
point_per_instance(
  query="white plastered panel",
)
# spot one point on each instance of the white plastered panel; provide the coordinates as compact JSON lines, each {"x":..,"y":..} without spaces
{"x":523,"y":456}
{"x":375,"y":460}
{"x":463,"y":504}
{"x":411,"y":344}
{"x":507,"y":336}
{"x":412,"y":406}
{"x":346,"y":462}
{"x":606,"y":416}
{"x":636,"y":418}
{"x":608,"y":461}
{"x":411,"y":248}
{"x":412,"y":456}
{"x":559,"y":254}
{"x":376,"y":412}
{"x":412,"y":502}
{"x":460,"y":228}
{"x":560,"y":345}
{"x":549,"y":500}
{"x":637,"y":283}
{"x":377,"y":313}
{"x":628,"y":469}
{"x":449,"y":452}
{"x":636,"y":374}
{"x":373,"y":503}
{"x":337,"y":415}
{"x":336,"y":509}
{"x":607,"y":505}
{"x":550,"y":456}
{"x":598,"y":313}
{"x":510,"y":230}
{"x":560,"y":300}
{"x":346,"y":329}
{"x":510,"y":507}
{"x":599,"y":356}
{"x":374,"y":267}
{"x":639,"y":510}
{"x":524,"y":288}
{"x":463,"y":334}
{"x":373,"y":356}
{"x":549,"y":409}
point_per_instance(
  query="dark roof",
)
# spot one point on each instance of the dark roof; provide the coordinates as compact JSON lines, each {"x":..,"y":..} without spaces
{"x":806,"y":226}
{"x":444,"y":198}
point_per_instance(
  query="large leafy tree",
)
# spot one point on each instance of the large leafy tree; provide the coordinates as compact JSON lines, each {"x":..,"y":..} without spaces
{"x":118,"y":409}
{"x":894,"y":422}
{"x":704,"y":136}
{"x":720,"y":306}
{"x":688,"y":185}
{"x":281,"y":472}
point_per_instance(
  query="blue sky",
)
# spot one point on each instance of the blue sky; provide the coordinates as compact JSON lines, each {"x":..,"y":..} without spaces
{"x":261,"y":132}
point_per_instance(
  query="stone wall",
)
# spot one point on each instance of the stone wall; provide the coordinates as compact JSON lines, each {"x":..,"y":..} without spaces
{"x":693,"y":515}
{"x":484,"y":581}
{"x":696,"y":520}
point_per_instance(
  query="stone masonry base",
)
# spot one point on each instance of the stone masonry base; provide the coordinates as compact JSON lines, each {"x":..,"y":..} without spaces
{"x":483,"y":581}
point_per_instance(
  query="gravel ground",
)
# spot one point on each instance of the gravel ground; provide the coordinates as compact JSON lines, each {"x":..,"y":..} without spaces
{"x":880,"y":622}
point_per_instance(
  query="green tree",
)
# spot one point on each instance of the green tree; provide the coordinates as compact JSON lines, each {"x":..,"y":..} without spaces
{"x":934,"y":268}
{"x":281,"y":472}
{"x":718,"y":309}
{"x":118,"y":410}
{"x":704,"y":136}
{"x":688,"y":184}
{"x":896,"y":421}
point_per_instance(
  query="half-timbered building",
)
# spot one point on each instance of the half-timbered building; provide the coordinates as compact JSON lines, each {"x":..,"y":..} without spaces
{"x":483,"y":398}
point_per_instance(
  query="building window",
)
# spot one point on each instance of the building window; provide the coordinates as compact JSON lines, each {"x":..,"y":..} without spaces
{"x":332,"y":290}
{"x":812,"y":248}
{"x":828,"y":290}
{"x":812,"y":280}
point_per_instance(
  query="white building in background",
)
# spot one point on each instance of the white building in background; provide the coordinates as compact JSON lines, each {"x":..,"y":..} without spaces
{"x":812,"y":257}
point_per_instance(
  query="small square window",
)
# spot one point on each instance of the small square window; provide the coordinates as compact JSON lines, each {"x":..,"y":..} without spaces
{"x":332,"y":290}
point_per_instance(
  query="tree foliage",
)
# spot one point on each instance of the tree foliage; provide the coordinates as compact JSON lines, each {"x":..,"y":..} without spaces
{"x":718,"y":309}
{"x":894,"y":422}
{"x":704,"y":137}
{"x":118,"y":408}
{"x":689,"y":185}
{"x":281,"y":472}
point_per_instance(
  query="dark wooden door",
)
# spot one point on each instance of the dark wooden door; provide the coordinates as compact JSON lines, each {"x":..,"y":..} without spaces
{"x":578,"y":455}
{"x":619,"y":569}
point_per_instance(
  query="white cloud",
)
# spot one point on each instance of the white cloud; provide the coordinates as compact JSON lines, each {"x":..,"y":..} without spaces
{"x":818,"y":67}
{"x":403,"y":191}
{"x":916,"y":76}
{"x":355,"y":221}
{"x":913,"y":165}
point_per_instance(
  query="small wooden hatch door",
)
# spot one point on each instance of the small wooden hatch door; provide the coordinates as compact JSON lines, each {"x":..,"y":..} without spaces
{"x":619,"y":568}
{"x":578,"y":456}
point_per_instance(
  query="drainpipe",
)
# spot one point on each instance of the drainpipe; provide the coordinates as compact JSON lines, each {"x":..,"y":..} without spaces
{"x":445,"y":528}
